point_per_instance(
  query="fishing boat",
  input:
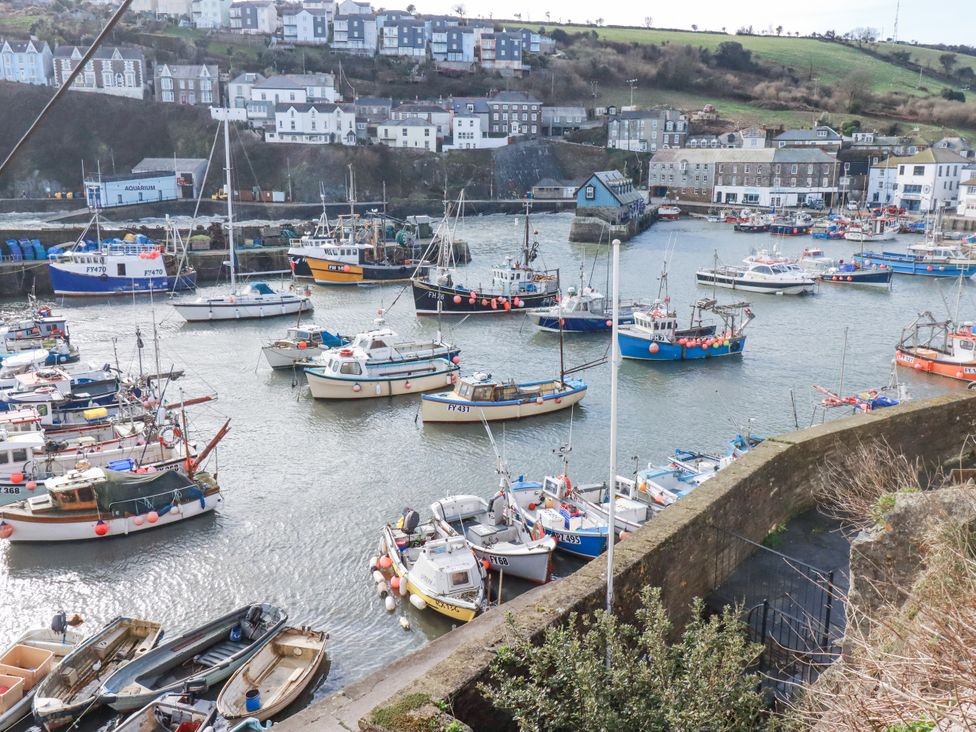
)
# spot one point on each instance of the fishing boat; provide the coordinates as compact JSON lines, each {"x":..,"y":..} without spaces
{"x":172,"y":713}
{"x":28,"y":660}
{"x":549,"y":504}
{"x":752,"y":223}
{"x":279,"y":672}
{"x":668,"y":213}
{"x":924,"y":260}
{"x":200,"y":658}
{"x":66,"y":694}
{"x":131,"y":265}
{"x":772,"y":278}
{"x":347,"y":373}
{"x":798,"y":225}
{"x":254,"y":300}
{"x":381,"y":345}
{"x":480,"y":397}
{"x":95,"y":503}
{"x":827,"y":229}
{"x":582,"y":310}
{"x":496,"y":535}
{"x":656,"y":336}
{"x":300,"y":345}
{"x":815,"y":259}
{"x":436,"y":568}
{"x":939,"y":347}
{"x":874,"y":229}
{"x":515,"y":285}
{"x":851,"y":273}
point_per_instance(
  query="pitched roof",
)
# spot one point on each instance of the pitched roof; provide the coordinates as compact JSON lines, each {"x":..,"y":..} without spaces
{"x":714,"y":155}
{"x":187,"y":69}
{"x":419,"y":107}
{"x":103,"y":52}
{"x":970,"y":182}
{"x":801,"y":155}
{"x":24,"y":46}
{"x":374,"y":102}
{"x":317,"y":106}
{"x":411,"y":122}
{"x":248,"y":77}
{"x":935,"y":155}
{"x":168,"y":164}
{"x":278,"y":82}
{"x":514,"y":96}
{"x":612,"y":179}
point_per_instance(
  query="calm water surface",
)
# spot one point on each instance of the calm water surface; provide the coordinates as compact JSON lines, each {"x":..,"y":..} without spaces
{"x":308,"y":485}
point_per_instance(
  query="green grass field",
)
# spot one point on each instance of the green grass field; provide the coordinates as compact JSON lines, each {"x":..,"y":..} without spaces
{"x":18,"y":25}
{"x":927,"y":57}
{"x":808,"y":57}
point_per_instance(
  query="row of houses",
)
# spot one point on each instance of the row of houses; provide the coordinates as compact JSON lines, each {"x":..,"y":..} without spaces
{"x":931,"y":180}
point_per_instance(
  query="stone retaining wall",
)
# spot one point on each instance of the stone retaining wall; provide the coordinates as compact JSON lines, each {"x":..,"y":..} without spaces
{"x":676,"y":551}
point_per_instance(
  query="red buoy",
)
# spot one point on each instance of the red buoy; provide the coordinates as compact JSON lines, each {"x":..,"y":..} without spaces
{"x":484,"y":303}
{"x":456,"y":360}
{"x":6,"y":530}
{"x":457,"y":299}
{"x":31,"y":485}
{"x":654,"y":348}
{"x":385,"y":562}
{"x":101,"y":528}
{"x":395,"y":584}
{"x":152,"y":517}
{"x":17,"y":478}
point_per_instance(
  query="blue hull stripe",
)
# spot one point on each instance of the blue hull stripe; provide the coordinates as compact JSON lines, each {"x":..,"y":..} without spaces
{"x":69,"y":283}
{"x":637,"y":348}
{"x":902,"y":264}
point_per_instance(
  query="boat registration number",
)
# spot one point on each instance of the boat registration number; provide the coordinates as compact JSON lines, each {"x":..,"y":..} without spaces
{"x":907,"y":359}
{"x":10,"y":490}
{"x":95,"y":269}
{"x":566,"y":538}
{"x":154,"y":272}
{"x":458,"y":408}
{"x":500,"y":561}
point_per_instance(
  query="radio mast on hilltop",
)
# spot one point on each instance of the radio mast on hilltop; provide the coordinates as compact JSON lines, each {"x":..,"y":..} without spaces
{"x":894,"y":33}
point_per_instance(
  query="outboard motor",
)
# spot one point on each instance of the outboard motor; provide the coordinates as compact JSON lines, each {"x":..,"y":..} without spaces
{"x":496,"y":510}
{"x":59,"y":623}
{"x":409,"y":520}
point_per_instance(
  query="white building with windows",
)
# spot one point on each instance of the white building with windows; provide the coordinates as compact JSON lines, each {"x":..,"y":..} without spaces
{"x":187,"y":84}
{"x":305,"y":25}
{"x":930,"y":180}
{"x":647,"y":130}
{"x":883,"y":182}
{"x":239,"y":89}
{"x":515,"y":113}
{"x":317,"y":123}
{"x":967,"y":198}
{"x":266,"y":94}
{"x":413,"y":133}
{"x":211,"y":13}
{"x":26,"y":62}
{"x":468,"y":132}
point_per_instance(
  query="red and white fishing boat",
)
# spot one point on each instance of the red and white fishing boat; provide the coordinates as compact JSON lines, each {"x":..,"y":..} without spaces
{"x":668,"y":213}
{"x":939,"y":347}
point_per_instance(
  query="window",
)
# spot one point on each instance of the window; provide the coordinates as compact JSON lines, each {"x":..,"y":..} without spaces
{"x":459,"y":579}
{"x":19,"y":456}
{"x":351,"y":368}
{"x":166,"y":82}
{"x":794,"y":168}
{"x":918,"y":170}
{"x":590,"y":193}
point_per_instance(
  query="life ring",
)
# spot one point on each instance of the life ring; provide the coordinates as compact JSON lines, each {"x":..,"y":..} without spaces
{"x":569,"y":486}
{"x":538,"y":531}
{"x":169,"y":435}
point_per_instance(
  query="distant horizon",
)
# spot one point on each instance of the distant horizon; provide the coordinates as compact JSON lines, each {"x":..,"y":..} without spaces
{"x":916,"y":21}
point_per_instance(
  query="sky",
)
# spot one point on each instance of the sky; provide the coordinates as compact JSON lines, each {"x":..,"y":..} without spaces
{"x":954,"y":21}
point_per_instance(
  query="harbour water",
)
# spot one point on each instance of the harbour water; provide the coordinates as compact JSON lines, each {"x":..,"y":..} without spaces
{"x":309,"y":485}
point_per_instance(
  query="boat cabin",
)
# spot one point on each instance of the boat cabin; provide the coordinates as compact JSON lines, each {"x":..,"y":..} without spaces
{"x":76,"y":490}
{"x":448,"y":566}
{"x":20,"y":420}
{"x":514,"y":279}
{"x":936,"y":252}
{"x":657,"y":322}
{"x":311,"y":337}
{"x":589,"y":300}
{"x":17,"y":451}
{"x":481,"y":388}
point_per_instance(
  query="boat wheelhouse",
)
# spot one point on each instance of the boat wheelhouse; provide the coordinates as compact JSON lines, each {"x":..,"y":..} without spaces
{"x":939,"y":347}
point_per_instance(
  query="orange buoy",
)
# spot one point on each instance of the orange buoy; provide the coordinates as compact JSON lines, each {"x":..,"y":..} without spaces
{"x":385,"y":562}
{"x":6,"y":530}
{"x":152,"y":517}
{"x":101,"y":528}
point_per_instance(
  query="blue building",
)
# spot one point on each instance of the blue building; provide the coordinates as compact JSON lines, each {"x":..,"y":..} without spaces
{"x":611,"y":196}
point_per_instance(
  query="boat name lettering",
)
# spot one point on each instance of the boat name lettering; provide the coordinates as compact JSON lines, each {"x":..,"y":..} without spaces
{"x":458,"y":408}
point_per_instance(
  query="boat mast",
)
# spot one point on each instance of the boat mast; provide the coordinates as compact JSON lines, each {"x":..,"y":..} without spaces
{"x":614,"y":366}
{"x":525,"y":244}
{"x":225,"y":115}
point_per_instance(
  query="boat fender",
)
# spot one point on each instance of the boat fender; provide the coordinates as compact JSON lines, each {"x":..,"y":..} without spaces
{"x":382,"y":590}
{"x":402,"y":589}
{"x":404,"y":623}
{"x":377,"y":576}
{"x":418,"y":602}
{"x":373,"y":562}
{"x":390,"y":603}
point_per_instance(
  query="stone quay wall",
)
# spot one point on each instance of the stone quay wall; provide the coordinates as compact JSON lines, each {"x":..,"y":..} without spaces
{"x":676,"y":551}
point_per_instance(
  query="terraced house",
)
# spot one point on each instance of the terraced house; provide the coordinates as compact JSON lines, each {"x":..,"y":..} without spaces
{"x":120,"y":72}
{"x":304,"y":25}
{"x":647,"y":130}
{"x":515,"y":113}
{"x":354,"y":34}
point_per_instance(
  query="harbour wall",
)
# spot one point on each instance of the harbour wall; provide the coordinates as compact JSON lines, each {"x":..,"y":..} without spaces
{"x":683,"y":551}
{"x":593,"y":229}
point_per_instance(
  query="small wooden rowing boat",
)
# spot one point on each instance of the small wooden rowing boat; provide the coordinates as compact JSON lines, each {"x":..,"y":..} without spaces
{"x":71,"y":689}
{"x":279,"y":672}
{"x":202,"y":657}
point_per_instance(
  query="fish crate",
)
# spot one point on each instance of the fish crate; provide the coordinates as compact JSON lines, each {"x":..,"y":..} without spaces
{"x":30,"y":664}
{"x":11,"y":691}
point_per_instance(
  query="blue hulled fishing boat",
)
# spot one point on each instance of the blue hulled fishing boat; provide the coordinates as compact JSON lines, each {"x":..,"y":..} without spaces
{"x":925,"y":260}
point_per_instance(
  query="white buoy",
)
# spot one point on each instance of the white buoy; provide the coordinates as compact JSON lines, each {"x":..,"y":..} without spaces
{"x":404,"y":623}
{"x":373,"y":563}
{"x":390,"y":603}
{"x":418,"y":602}
{"x":381,"y":589}
{"x":378,"y":576}
{"x":403,"y":587}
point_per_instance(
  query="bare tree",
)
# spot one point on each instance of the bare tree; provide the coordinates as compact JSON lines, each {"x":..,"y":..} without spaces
{"x":459,"y":10}
{"x":648,"y":21}
{"x":779,"y":30}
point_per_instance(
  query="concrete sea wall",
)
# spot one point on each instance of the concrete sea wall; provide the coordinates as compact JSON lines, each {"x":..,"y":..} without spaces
{"x":676,"y":551}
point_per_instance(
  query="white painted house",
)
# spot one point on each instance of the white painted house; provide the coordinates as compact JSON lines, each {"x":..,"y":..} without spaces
{"x":314,"y":123}
{"x":211,"y":13}
{"x":883,"y":182}
{"x":470,"y":132}
{"x":239,"y":88}
{"x":26,"y":62}
{"x":413,"y":133}
{"x":268,"y":93}
{"x":254,"y":17}
{"x":967,"y":198}
{"x":305,"y":25}
{"x":930,"y":180}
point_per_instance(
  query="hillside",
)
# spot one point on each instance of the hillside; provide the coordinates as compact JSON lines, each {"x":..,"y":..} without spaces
{"x":115,"y":134}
